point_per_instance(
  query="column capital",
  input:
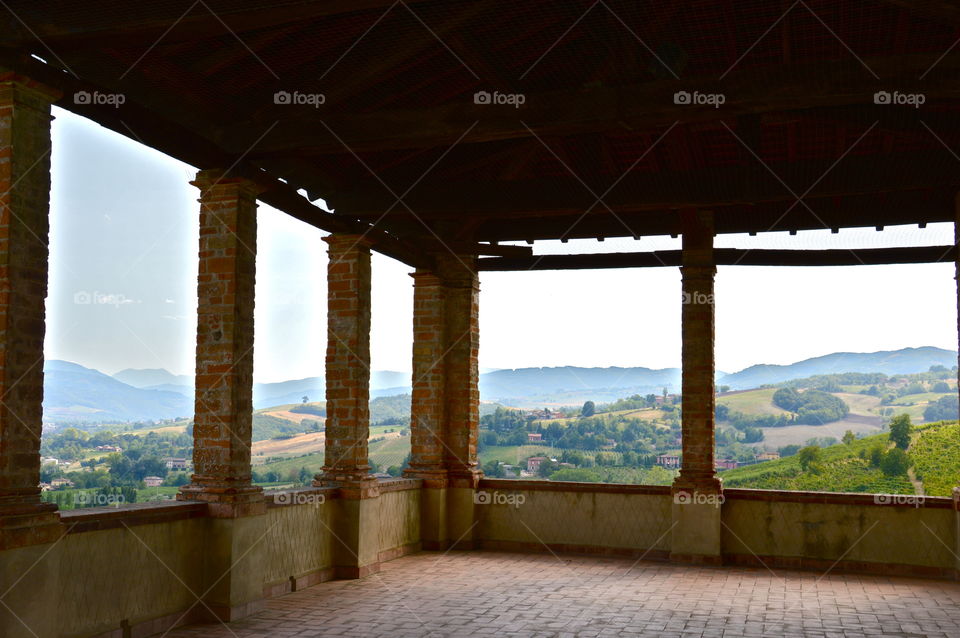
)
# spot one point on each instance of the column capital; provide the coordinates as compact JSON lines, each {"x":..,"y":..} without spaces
{"x":348,"y":241}
{"x":210,"y":178}
{"x":702,"y":270}
{"x":426,"y":278}
{"x":17,"y":86}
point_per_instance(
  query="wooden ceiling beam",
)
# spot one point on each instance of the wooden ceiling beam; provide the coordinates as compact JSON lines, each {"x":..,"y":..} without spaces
{"x":868,"y":211}
{"x":727,"y":257}
{"x":748,"y":184}
{"x":160,"y":22}
{"x":622,"y":110}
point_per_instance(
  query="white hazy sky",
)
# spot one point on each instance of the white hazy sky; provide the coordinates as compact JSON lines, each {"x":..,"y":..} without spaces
{"x":124,"y":233}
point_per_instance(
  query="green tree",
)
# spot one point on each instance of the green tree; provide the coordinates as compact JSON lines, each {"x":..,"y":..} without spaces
{"x":941,"y":386}
{"x":589,"y":409}
{"x":895,"y":462}
{"x":900,"y":428}
{"x":493,"y":469}
{"x":305,"y":476}
{"x":809,"y":455}
{"x":849,"y":437}
{"x":876,"y":455}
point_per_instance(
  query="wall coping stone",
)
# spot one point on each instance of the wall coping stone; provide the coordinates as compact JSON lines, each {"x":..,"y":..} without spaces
{"x":399,"y":484}
{"x":740,"y":494}
{"x":102,"y":518}
{"x":569,"y":486}
{"x":838,"y":498}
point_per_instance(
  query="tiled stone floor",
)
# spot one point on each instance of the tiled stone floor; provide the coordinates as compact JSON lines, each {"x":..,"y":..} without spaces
{"x":499,"y":594}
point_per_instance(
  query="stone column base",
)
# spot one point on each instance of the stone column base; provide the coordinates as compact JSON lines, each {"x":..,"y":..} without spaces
{"x":356,"y":528}
{"x":233,"y":567}
{"x":697,"y":529}
{"x":447,"y":508}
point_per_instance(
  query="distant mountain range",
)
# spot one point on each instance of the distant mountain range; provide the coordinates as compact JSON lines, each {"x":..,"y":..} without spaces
{"x":73,"y":392}
{"x":891,"y":362}
{"x":265,"y":395}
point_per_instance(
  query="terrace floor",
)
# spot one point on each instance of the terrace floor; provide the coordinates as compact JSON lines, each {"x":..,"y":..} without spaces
{"x":502,"y":594}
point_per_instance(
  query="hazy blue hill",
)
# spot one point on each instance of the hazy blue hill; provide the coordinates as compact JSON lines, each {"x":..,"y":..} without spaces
{"x":185,"y":390}
{"x":904,"y":361}
{"x":152,"y":377}
{"x":270,"y":394}
{"x":571,"y":382}
{"x":72,"y":392}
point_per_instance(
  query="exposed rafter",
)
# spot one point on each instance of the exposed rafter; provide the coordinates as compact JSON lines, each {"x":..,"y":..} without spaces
{"x":728,"y":257}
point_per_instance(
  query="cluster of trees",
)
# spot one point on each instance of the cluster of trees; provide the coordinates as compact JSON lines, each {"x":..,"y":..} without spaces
{"x":624,"y":434}
{"x":141,"y":456}
{"x":504,"y":420}
{"x":944,"y":409}
{"x":99,"y":497}
{"x":635,"y":402}
{"x":309,"y":408}
{"x":750,"y":425}
{"x":812,"y":407}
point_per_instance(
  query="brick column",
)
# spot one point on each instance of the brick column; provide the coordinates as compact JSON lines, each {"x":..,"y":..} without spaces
{"x":24,"y":231}
{"x":699,"y":400}
{"x":427,"y":413}
{"x":223,"y":419}
{"x":462,"y":390}
{"x":697,"y":494}
{"x":445,"y":410}
{"x":348,"y":363}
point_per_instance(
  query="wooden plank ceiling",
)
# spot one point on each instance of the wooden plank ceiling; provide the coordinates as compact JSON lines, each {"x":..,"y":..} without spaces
{"x":400,"y":149}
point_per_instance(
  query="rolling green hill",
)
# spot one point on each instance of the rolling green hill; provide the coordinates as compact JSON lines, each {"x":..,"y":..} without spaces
{"x":934,"y":452}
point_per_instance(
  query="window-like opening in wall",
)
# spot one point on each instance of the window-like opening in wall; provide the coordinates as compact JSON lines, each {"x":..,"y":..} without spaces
{"x":121,"y":321}
{"x":289,"y":408}
{"x":838,"y":377}
{"x":580,"y":370}
{"x":391,"y":336}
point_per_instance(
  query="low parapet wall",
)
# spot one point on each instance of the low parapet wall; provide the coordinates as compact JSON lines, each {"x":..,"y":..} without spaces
{"x":142,"y":569}
{"x":895,"y":535}
{"x":587,"y":518}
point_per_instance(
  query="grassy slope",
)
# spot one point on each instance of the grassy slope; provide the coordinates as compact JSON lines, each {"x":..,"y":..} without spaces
{"x":751,"y":402}
{"x":935,"y":452}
